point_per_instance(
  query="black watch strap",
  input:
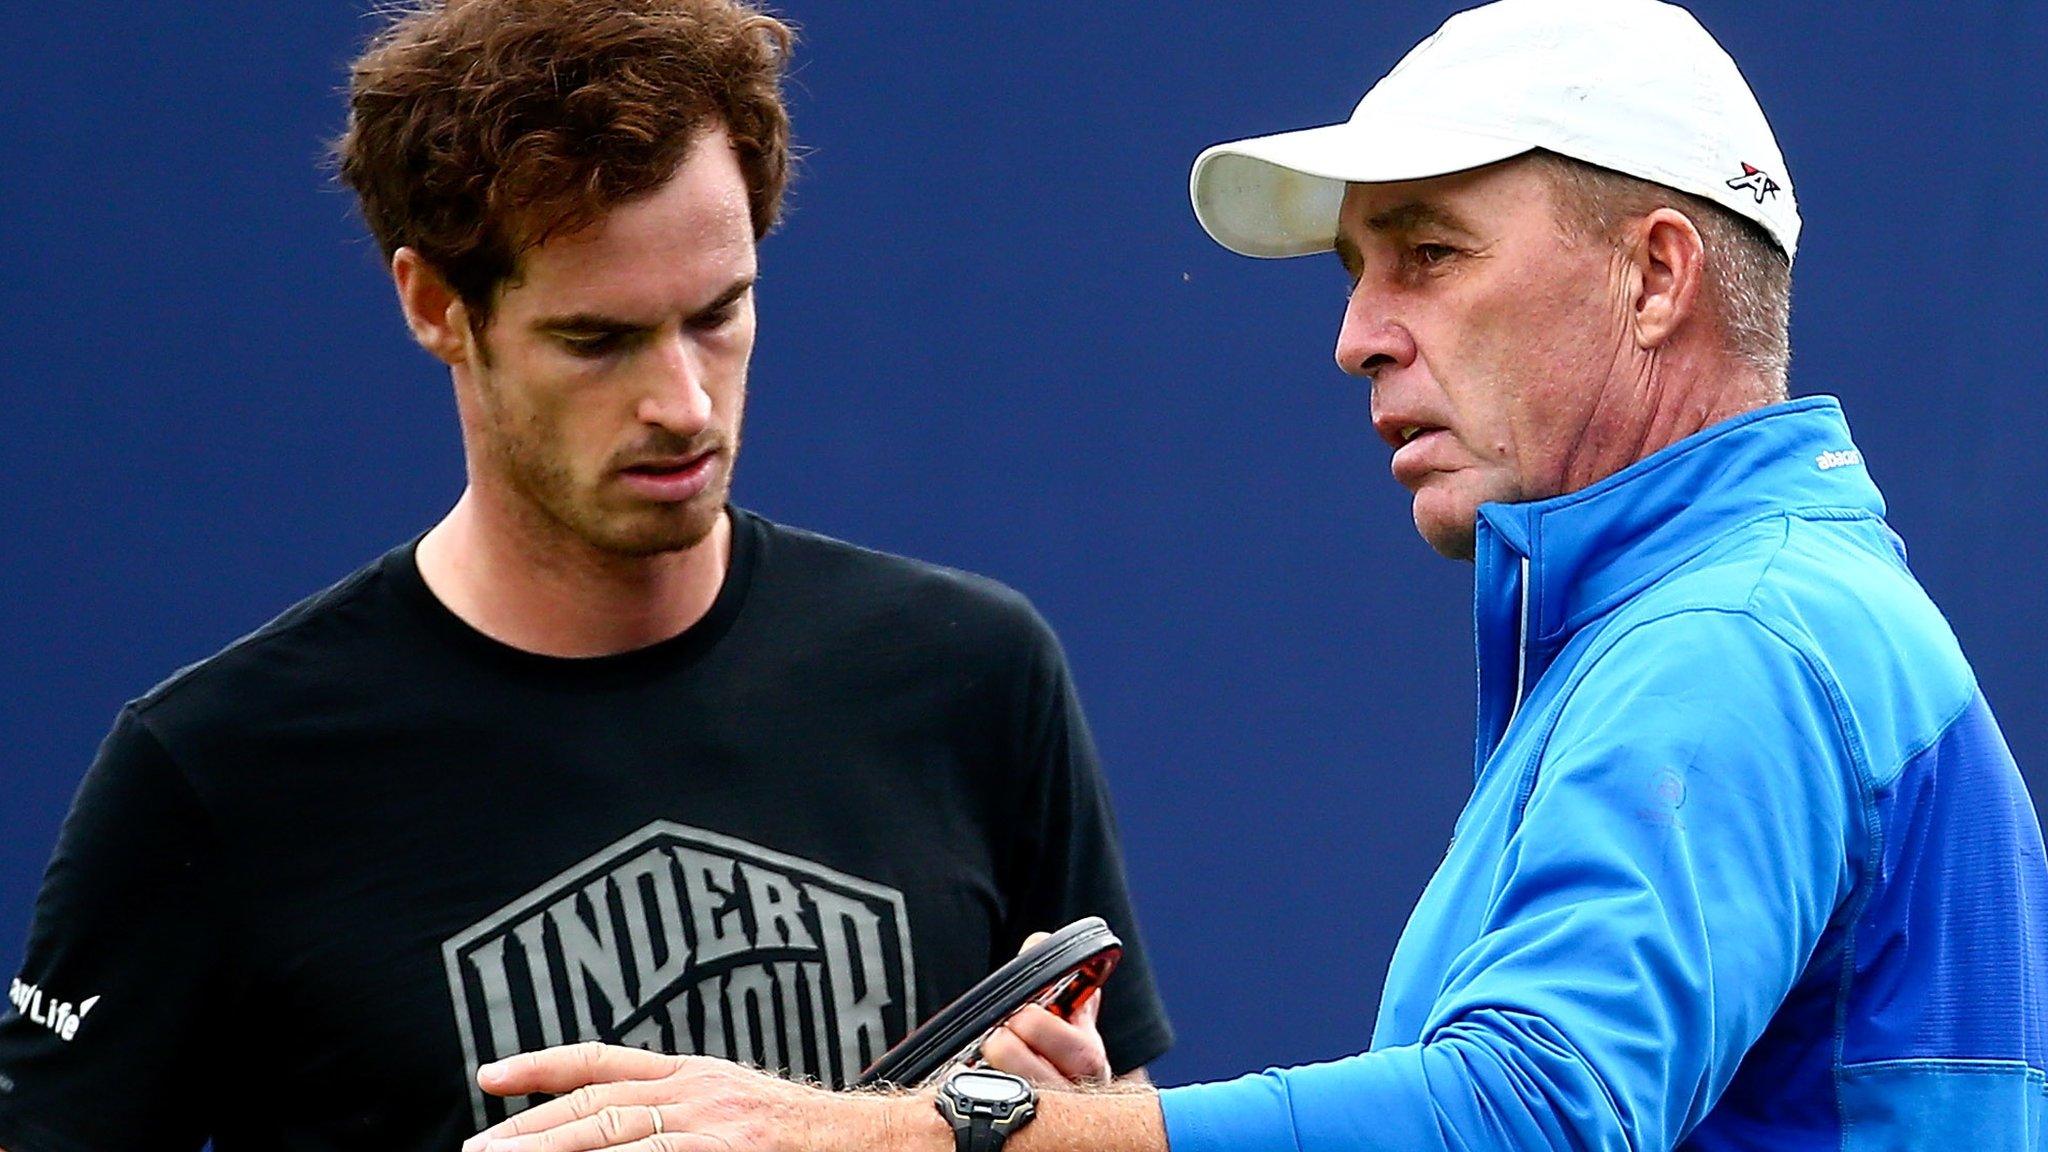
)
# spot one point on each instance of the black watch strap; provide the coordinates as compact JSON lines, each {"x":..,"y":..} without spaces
{"x":980,"y":1135}
{"x":984,"y":1124}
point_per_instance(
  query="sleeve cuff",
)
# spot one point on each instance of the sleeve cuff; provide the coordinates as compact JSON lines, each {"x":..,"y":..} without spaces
{"x":1375,"y":1100}
{"x":1249,"y":1114}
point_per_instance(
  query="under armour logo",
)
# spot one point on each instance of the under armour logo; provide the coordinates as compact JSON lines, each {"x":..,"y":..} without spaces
{"x":677,"y":939}
{"x":1756,"y":181}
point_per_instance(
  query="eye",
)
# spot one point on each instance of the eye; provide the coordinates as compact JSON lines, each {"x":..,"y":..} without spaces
{"x":713,"y":321}
{"x":594,"y":345}
{"x":1431,"y":255}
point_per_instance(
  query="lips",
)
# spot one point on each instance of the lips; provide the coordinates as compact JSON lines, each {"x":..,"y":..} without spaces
{"x":667,"y":466}
{"x":670,"y":479}
{"x":1400,"y":428}
{"x":1417,"y":456}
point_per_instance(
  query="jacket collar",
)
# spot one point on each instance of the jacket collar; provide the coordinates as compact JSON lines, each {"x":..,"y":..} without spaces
{"x":1585,"y":553}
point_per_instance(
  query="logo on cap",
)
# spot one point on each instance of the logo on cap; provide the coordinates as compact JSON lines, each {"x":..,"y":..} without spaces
{"x":1756,"y":181}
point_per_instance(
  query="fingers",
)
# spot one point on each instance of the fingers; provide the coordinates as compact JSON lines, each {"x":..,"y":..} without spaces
{"x":1004,"y":1051}
{"x":581,"y":1104}
{"x":558,"y":1070}
{"x":1041,"y":1047}
{"x":664,"y":1142}
{"x":1088,"y":1011}
{"x":609,"y":1127}
{"x":1032,"y":939}
{"x":704,"y":1105}
{"x":639,"y":1127}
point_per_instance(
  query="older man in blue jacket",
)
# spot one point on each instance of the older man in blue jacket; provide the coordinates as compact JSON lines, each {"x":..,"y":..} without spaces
{"x":1747,"y":863}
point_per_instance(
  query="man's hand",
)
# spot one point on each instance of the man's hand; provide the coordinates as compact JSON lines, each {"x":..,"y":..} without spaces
{"x":625,"y":1098}
{"x":1048,"y":1051}
{"x":628,"y":1100}
{"x":611,"y":1097}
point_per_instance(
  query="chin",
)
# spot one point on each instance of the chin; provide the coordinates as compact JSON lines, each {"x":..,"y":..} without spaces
{"x":1451,"y":545}
{"x":644,"y":534}
{"x":664,"y":539}
{"x":1449,"y":531}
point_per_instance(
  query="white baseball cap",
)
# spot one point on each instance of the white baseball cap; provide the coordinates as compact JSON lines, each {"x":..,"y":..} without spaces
{"x":1632,"y":85}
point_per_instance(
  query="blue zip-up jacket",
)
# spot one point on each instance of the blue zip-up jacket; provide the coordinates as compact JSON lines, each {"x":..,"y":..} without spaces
{"x":1747,"y":863}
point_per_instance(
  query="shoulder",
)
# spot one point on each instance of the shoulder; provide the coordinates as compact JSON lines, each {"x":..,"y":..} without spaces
{"x":1841,"y":589}
{"x":836,"y":583}
{"x":330,"y":638}
{"x":1813,"y":612}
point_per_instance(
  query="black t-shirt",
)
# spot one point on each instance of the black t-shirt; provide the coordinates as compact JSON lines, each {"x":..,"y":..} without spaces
{"x":310,"y":884}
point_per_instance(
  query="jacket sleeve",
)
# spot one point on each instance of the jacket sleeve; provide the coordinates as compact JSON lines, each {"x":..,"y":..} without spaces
{"x":1685,"y":840}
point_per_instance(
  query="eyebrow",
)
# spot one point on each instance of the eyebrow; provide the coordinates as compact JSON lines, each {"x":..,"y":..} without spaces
{"x":1416,"y":214}
{"x":598,"y":322}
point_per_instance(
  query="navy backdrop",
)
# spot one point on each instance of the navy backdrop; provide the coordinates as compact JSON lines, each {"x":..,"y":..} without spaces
{"x":993,"y":336}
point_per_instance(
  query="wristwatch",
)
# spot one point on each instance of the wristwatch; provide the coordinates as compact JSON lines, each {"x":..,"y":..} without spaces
{"x":985,"y":1107}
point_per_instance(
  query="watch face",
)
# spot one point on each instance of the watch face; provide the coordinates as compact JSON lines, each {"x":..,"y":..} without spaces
{"x":988,"y":1088}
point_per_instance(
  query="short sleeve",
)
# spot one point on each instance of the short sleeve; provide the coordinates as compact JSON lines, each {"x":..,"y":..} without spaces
{"x":1074,"y":864}
{"x":105,"y":1042}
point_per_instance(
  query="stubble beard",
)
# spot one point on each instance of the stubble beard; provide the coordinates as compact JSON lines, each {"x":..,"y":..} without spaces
{"x":559,"y":510}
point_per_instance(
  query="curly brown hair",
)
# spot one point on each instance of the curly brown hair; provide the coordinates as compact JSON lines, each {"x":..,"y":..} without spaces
{"x":478,"y":129}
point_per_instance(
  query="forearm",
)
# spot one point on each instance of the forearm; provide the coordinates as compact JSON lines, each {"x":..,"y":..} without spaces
{"x":1462,"y":1091}
{"x":1112,"y":1120}
{"x":609,"y":1096}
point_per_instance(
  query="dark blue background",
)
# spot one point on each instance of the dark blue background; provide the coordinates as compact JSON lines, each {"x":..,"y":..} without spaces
{"x":993,"y":336}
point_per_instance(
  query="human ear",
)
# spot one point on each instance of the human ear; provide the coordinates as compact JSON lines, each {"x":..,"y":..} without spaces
{"x":1670,"y":269}
{"x":433,"y":310}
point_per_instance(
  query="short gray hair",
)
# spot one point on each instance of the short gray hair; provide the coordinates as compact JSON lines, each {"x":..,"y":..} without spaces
{"x":1748,"y":280}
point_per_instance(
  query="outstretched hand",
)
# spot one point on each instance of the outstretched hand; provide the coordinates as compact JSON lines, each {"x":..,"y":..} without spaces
{"x":631,"y":1100}
{"x":611,"y":1097}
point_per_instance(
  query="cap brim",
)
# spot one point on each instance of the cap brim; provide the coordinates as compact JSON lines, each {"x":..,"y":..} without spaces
{"x":1275,"y":196}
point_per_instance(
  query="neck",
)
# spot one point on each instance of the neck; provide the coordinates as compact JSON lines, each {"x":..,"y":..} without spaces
{"x":541,"y":593}
{"x":1658,"y":400}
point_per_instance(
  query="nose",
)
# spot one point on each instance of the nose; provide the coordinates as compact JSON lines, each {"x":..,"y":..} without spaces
{"x":1371,"y":340}
{"x":677,"y":396}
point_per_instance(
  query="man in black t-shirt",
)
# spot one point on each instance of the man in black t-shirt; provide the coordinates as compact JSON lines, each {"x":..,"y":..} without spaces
{"x":599,"y":756}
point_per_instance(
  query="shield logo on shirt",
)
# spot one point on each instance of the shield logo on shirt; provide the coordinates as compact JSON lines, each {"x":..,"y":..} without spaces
{"x":681,"y":940}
